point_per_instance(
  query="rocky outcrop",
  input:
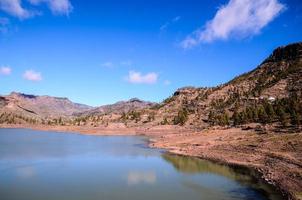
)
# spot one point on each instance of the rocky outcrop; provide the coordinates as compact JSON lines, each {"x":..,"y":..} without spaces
{"x":286,"y":53}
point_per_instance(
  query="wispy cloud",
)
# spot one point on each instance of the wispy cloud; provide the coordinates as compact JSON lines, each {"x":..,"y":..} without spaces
{"x":164,"y":26}
{"x":240,"y":18}
{"x":16,"y":8}
{"x":31,"y":75}
{"x":170,"y":22}
{"x":139,"y":78}
{"x":5,"y":70}
{"x":58,"y":7}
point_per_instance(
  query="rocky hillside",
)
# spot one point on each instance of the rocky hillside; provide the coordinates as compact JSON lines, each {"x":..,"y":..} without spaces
{"x":272,"y":90}
{"x":270,"y":94}
{"x":37,"y":107}
{"x":119,"y":107}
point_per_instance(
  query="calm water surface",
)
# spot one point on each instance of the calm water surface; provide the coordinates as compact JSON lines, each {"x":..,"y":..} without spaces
{"x":36,"y":165}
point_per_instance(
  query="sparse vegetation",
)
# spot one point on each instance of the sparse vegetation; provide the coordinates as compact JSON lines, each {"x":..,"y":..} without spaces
{"x":181,"y":117}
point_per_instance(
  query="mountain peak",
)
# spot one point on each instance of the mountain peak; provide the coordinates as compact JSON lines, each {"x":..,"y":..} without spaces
{"x":285,"y":53}
{"x":18,"y":94}
{"x":135,"y":100}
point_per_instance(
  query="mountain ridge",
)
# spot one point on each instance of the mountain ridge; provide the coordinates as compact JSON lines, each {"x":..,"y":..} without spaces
{"x":277,"y":78}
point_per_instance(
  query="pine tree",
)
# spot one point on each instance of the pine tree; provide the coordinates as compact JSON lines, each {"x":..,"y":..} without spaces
{"x":255,"y":114}
{"x":263,"y":117}
{"x":270,"y":112}
{"x":283,"y":117}
{"x":295,"y":118}
{"x":236,"y":118}
{"x":211,"y":118}
{"x":181,"y":117}
{"x":226,"y":119}
{"x":250,"y":115}
{"x":243,"y":117}
{"x":165,"y":121}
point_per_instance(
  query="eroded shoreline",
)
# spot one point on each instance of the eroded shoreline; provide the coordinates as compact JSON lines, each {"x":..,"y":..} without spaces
{"x":277,"y":158}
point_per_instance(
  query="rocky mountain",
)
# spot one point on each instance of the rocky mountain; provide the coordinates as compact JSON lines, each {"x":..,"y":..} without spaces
{"x":119,"y":107}
{"x":23,"y":108}
{"x":272,"y":89}
{"x":37,"y":107}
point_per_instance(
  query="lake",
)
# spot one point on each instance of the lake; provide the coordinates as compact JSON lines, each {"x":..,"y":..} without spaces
{"x":38,"y":165}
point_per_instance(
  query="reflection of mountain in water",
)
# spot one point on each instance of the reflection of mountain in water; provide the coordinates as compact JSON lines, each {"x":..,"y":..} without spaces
{"x":245,"y":177}
{"x":195,"y":165}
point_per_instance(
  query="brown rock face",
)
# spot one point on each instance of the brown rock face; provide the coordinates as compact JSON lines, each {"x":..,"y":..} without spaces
{"x":287,"y":53}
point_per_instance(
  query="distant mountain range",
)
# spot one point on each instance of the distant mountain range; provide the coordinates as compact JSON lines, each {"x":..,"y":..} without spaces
{"x":40,"y":106}
{"x":118,"y":107}
{"x":268,"y":94}
{"x":47,"y":107}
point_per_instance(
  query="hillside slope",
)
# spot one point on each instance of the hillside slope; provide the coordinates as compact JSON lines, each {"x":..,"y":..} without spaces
{"x":119,"y":107}
{"x":271,"y":93}
{"x":273,"y":86}
{"x":39,"y":107}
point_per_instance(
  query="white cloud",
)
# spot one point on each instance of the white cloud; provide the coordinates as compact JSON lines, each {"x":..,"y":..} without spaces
{"x":14,"y":8}
{"x":138,"y":78}
{"x":240,"y":18}
{"x":32,"y":75}
{"x":107,"y":64}
{"x":59,"y":7}
{"x":5,"y":70}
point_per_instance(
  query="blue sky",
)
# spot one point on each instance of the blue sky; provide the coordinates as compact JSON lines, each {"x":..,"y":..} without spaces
{"x":100,"y":52}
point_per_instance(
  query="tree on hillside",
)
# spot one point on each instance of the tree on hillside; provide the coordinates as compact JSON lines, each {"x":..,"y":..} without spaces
{"x":262,"y":115}
{"x":295,"y":119}
{"x":224,"y":119}
{"x":270,"y":112}
{"x":211,"y":118}
{"x":283,"y":117}
{"x":181,"y":117}
{"x":236,"y":118}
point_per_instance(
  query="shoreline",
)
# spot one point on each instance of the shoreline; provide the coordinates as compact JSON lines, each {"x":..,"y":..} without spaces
{"x":234,"y":147}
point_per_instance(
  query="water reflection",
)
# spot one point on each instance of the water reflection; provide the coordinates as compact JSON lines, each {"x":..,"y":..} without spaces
{"x":25,"y":172}
{"x":38,"y":165}
{"x":245,"y":177}
{"x":139,"y":177}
